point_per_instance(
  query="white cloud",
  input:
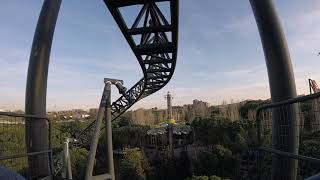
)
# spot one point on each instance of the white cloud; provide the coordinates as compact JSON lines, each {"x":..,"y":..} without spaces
{"x":243,"y":25}
{"x":72,"y":84}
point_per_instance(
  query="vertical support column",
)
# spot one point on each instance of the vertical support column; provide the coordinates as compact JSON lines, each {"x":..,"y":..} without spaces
{"x":36,"y":89}
{"x":96,"y":135}
{"x":108,"y":122}
{"x":282,"y":86}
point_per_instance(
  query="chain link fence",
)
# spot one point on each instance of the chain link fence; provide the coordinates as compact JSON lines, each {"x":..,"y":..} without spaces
{"x":14,"y":155}
{"x":289,"y":137}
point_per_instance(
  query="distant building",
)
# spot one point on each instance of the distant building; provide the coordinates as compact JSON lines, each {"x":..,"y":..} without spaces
{"x":201,"y":108}
{"x":93,"y":111}
{"x":169,"y":105}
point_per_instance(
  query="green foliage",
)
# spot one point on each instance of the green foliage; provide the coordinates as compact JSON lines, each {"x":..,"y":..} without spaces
{"x":220,"y":161}
{"x":249,"y":105}
{"x":134,"y":165}
{"x":12,"y":142}
{"x":166,"y":167}
{"x":237,"y":135}
{"x":198,"y":178}
{"x":227,"y":141}
{"x":215,"y":111}
{"x":123,"y":120}
{"x":309,"y":146}
{"x":214,"y":177}
{"x":132,"y":136}
{"x":79,"y":162}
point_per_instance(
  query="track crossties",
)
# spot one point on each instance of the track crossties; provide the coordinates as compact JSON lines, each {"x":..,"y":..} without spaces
{"x":151,"y":29}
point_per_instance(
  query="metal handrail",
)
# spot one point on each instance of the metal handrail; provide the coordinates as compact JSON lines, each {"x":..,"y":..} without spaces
{"x":26,"y":154}
{"x":288,"y":101}
{"x":290,"y":155}
{"x":12,"y":114}
{"x":49,"y":151}
{"x":279,"y":104}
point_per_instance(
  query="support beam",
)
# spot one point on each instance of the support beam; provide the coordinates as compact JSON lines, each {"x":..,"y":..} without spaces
{"x":149,"y":49}
{"x":282,"y":86}
{"x":95,"y":139}
{"x":36,"y":89}
{"x":108,"y":121}
{"x":104,"y":112}
{"x":152,"y":29}
{"x":123,"y":3}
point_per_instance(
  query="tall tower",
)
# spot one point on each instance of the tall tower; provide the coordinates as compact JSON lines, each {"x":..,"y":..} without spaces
{"x":169,"y":105}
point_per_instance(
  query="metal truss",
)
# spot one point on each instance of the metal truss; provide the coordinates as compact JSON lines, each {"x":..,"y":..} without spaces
{"x":153,"y":38}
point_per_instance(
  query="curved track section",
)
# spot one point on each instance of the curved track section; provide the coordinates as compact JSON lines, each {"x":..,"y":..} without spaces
{"x":153,"y":38}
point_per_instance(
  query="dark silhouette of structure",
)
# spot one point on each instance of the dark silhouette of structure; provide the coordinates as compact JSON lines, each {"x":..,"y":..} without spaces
{"x":156,"y":52}
{"x":36,"y":90}
{"x":282,"y":85}
{"x":313,"y":86}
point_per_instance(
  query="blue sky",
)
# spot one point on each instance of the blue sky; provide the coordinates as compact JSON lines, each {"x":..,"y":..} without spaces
{"x":220,"y":53}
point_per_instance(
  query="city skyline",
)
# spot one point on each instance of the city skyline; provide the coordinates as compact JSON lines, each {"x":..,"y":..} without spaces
{"x":223,"y":62}
{"x":133,"y":109}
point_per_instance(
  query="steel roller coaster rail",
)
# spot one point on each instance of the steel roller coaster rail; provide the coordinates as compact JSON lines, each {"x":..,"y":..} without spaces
{"x":153,"y":38}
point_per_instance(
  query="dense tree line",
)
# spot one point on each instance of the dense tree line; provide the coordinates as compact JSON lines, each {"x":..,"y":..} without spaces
{"x":223,"y":142}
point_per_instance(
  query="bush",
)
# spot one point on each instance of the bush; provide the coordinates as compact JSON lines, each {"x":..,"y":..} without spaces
{"x":214,"y":177}
{"x":198,"y":178}
{"x":134,"y":165}
{"x":79,"y":161}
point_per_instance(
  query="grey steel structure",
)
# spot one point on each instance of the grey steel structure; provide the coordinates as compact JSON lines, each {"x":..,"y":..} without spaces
{"x":307,"y":109}
{"x":36,"y":90}
{"x":16,"y":157}
{"x":282,"y":85}
{"x":104,"y":112}
{"x":156,"y":51}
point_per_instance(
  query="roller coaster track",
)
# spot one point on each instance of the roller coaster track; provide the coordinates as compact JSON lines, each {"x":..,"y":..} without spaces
{"x":153,"y":38}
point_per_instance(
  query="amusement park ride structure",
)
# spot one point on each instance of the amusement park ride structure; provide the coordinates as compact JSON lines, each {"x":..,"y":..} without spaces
{"x":153,"y":38}
{"x":155,"y":52}
{"x":313,"y":86}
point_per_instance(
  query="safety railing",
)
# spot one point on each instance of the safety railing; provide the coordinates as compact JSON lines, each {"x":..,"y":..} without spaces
{"x":13,"y":151}
{"x":290,"y":131}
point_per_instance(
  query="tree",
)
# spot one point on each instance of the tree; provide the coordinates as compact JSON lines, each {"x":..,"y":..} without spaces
{"x":309,"y":146}
{"x":79,"y":159}
{"x":214,"y":177}
{"x":247,"y":110}
{"x":198,"y":178}
{"x":134,"y":165}
{"x":123,"y":120}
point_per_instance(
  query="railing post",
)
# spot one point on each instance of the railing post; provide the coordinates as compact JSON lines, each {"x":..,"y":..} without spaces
{"x":282,"y":85}
{"x":36,"y":89}
{"x":67,"y":171}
